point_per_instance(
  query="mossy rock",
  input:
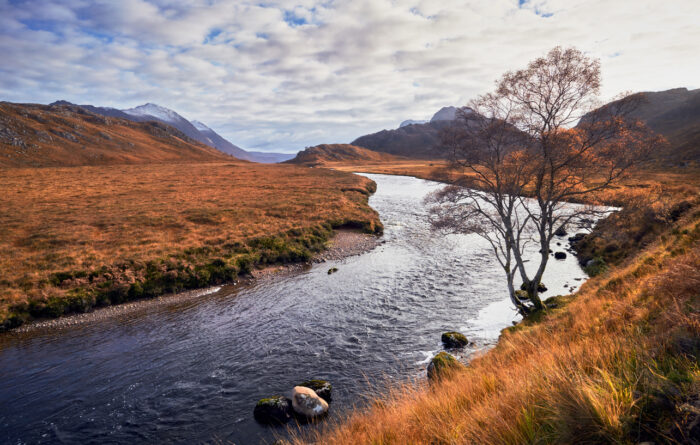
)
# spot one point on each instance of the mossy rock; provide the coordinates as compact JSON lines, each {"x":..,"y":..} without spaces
{"x":558,"y":301}
{"x":454,"y":340}
{"x":273,"y":410}
{"x":596,"y":266}
{"x":540,"y":287}
{"x":442,"y":364}
{"x":332,"y":270}
{"x":322,"y":387}
{"x":522,"y":295}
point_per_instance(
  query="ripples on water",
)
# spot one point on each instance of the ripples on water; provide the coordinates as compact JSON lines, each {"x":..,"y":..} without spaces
{"x":192,"y":372}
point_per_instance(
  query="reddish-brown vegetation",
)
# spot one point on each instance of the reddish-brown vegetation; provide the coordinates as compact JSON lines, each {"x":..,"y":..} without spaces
{"x":77,"y":237}
{"x":330,"y":154}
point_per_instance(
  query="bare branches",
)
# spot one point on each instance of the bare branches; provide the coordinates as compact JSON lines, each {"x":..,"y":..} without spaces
{"x":520,"y":141}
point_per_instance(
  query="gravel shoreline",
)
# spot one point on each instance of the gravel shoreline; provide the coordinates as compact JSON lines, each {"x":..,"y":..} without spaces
{"x":344,"y":244}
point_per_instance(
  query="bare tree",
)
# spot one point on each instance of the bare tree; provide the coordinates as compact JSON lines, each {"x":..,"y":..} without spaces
{"x":521,"y":161}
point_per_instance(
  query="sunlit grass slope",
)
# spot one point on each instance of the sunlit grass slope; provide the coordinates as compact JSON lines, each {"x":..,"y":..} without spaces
{"x":617,"y":362}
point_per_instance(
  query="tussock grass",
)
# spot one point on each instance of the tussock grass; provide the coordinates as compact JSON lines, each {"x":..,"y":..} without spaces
{"x":618,"y":363}
{"x":74,"y":238}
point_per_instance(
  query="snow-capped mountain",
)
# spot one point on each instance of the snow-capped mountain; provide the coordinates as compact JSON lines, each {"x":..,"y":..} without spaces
{"x":155,"y":112}
{"x":195,"y":130}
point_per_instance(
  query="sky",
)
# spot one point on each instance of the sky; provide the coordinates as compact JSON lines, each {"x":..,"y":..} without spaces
{"x":281,"y":75}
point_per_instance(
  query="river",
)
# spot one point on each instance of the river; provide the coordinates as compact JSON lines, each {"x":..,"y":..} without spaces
{"x":192,"y":371}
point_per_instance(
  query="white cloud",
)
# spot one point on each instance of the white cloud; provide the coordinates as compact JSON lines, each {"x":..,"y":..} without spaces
{"x":295,"y":73}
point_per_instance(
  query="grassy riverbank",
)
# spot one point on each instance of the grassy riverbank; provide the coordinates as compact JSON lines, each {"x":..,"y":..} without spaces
{"x":617,"y":362}
{"x":75,"y":238}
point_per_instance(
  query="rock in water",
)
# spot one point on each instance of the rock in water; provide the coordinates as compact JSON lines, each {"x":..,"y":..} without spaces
{"x":561,"y":231}
{"x":559,"y":255}
{"x":276,"y":409}
{"x":454,"y":340}
{"x":321,"y":387}
{"x":540,"y":287}
{"x":441,"y":363}
{"x":307,"y":403}
{"x":332,"y":270}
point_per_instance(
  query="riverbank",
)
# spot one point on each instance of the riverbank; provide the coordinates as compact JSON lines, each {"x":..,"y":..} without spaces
{"x":344,"y":244}
{"x":101,"y":236}
{"x":616,"y":361}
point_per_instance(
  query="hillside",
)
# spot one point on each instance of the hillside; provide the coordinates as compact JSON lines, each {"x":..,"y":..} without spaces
{"x":195,"y":130}
{"x":221,"y":144}
{"x":673,"y":113}
{"x":616,"y":362}
{"x":66,"y":135}
{"x":413,"y":140}
{"x":330,"y":153}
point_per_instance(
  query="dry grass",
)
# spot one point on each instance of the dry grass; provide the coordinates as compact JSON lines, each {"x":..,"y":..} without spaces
{"x":617,"y":364}
{"x":107,"y":227}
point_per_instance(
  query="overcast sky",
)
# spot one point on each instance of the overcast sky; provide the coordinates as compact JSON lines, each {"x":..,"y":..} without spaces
{"x":280,"y":75}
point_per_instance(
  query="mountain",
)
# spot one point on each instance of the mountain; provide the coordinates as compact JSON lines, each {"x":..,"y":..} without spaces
{"x":153,"y":112}
{"x":673,"y":113}
{"x":194,"y":130}
{"x":410,"y":122}
{"x":104,"y":111}
{"x":445,"y":114}
{"x":417,"y":140}
{"x":329,"y":153}
{"x":220,"y":143}
{"x":34,"y":135}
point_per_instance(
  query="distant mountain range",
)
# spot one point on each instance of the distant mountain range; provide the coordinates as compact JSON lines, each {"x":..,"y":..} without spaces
{"x":194,"y":130}
{"x":69,"y":135}
{"x":414,"y":139}
{"x":673,"y":113}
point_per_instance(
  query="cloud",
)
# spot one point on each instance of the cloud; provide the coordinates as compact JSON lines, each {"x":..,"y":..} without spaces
{"x":285,"y":74}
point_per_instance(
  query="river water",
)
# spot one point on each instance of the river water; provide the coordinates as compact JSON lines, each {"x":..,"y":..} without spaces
{"x":191,"y":372}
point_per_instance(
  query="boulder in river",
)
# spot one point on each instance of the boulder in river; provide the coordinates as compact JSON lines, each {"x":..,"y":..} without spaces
{"x":322,"y":388}
{"x":332,"y":270}
{"x":561,"y":231}
{"x":441,"y":364}
{"x":576,"y":238}
{"x":454,"y":340}
{"x":559,"y":255}
{"x":307,"y":403}
{"x":273,"y":410}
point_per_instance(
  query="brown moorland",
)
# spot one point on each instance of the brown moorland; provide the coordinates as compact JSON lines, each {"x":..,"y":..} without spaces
{"x":78,"y":237}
